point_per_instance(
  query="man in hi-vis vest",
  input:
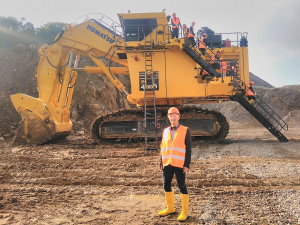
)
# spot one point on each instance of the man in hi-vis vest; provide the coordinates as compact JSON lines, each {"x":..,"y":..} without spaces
{"x":175,"y":158}
{"x":175,"y":25}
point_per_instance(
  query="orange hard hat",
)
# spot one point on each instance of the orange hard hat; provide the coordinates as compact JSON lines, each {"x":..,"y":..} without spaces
{"x":251,"y":82}
{"x":173,"y":110}
{"x":193,"y":22}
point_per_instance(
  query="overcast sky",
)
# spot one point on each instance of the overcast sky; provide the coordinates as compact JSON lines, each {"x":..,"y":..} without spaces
{"x":273,"y":26}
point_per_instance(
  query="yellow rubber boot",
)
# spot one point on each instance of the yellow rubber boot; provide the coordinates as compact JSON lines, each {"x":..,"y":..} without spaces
{"x":170,"y":204}
{"x":185,"y":208}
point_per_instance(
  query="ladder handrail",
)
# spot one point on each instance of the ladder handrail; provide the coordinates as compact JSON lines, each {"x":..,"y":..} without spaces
{"x":148,"y":54}
{"x":265,"y":108}
{"x":274,"y":115}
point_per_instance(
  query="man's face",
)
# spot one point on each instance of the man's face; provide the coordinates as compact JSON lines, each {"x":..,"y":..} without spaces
{"x":174,"y":118}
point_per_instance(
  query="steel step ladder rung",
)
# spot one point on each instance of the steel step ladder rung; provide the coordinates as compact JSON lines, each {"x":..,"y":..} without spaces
{"x":149,"y":98}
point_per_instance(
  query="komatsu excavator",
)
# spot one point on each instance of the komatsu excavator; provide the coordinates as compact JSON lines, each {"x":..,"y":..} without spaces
{"x":163,"y":71}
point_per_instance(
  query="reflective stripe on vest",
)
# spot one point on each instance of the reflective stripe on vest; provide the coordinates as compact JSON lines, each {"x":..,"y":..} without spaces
{"x":249,"y":92}
{"x":201,"y":43}
{"x":213,"y":59}
{"x":223,"y":66}
{"x":204,"y":73}
{"x":190,"y":33}
{"x":173,"y":151}
{"x":185,"y":32}
{"x":175,"y":22}
{"x":233,"y":68}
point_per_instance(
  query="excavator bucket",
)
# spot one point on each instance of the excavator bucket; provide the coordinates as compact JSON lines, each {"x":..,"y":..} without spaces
{"x":37,"y":125}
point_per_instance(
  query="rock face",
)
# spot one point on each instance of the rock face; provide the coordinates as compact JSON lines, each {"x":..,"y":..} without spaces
{"x":95,"y":94}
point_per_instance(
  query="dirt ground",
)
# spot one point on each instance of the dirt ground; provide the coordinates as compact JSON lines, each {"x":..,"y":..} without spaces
{"x":251,"y":178}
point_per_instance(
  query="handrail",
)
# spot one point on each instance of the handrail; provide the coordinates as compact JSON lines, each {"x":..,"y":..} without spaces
{"x":268,"y":110}
{"x":265,"y":109}
{"x":110,"y":24}
{"x":239,"y":35}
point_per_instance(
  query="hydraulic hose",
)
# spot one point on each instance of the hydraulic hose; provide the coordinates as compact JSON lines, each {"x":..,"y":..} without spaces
{"x":60,"y":67}
{"x":56,"y":40}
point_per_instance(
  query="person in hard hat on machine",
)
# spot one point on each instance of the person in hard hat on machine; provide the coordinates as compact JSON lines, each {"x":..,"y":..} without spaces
{"x":233,"y":68}
{"x":203,"y":73}
{"x":202,"y":45}
{"x":191,"y":34}
{"x":175,"y":25}
{"x":223,"y":67}
{"x":250,"y":92}
{"x":185,"y":31}
{"x":215,"y":60}
{"x":176,"y":148}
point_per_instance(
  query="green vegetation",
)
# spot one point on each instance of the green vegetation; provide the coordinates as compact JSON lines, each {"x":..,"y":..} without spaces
{"x":14,"y":32}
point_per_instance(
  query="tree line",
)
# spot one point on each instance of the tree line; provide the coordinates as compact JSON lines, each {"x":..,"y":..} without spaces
{"x":14,"y":32}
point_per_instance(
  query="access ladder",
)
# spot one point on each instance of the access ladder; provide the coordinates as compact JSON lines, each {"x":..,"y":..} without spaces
{"x":150,"y":114}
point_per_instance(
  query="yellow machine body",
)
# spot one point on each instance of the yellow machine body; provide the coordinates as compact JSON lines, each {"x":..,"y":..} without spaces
{"x":176,"y":73}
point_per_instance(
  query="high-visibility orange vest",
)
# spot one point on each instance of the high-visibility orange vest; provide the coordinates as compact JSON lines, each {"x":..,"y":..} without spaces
{"x":213,"y":59}
{"x":223,"y":67}
{"x":190,"y":32}
{"x":204,"y":73}
{"x":233,"y":68}
{"x":201,"y":43}
{"x":173,"y":151}
{"x":249,"y":92}
{"x":175,"y":22}
{"x":185,"y":32}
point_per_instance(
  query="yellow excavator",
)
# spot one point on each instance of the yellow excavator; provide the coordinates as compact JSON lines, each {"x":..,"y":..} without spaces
{"x":163,"y":71}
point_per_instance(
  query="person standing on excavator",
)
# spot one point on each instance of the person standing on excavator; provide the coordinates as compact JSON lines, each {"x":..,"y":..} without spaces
{"x":176,"y":148}
{"x":215,"y":60}
{"x":203,"y":73}
{"x":175,"y":25}
{"x":191,"y":34}
{"x":202,"y":45}
{"x":223,"y":68}
{"x":185,"y":31}
{"x":233,"y":68}
{"x":250,"y":92}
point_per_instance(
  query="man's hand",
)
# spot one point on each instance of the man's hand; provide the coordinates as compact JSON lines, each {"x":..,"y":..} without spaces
{"x":160,"y":167}
{"x":185,"y":169}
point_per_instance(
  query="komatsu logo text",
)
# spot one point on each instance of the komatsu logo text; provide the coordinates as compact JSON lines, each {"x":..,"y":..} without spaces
{"x":104,"y":36}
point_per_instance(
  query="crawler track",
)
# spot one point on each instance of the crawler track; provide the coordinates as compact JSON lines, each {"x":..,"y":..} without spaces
{"x":190,"y":116}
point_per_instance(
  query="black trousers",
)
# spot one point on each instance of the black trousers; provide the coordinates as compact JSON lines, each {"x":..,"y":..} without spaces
{"x":251,"y":97}
{"x":202,"y":50}
{"x":168,"y":173}
{"x":192,"y":40}
{"x":175,"y":32}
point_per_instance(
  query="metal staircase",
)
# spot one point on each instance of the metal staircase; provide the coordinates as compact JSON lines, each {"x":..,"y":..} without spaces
{"x":196,"y":56}
{"x":150,"y":117}
{"x":261,"y":111}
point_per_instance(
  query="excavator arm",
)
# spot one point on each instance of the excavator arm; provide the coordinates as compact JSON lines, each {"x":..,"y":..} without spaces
{"x":48,"y":116}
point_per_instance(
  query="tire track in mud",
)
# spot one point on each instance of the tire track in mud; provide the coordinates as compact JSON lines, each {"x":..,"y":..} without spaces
{"x":78,"y":182}
{"x":72,"y":165}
